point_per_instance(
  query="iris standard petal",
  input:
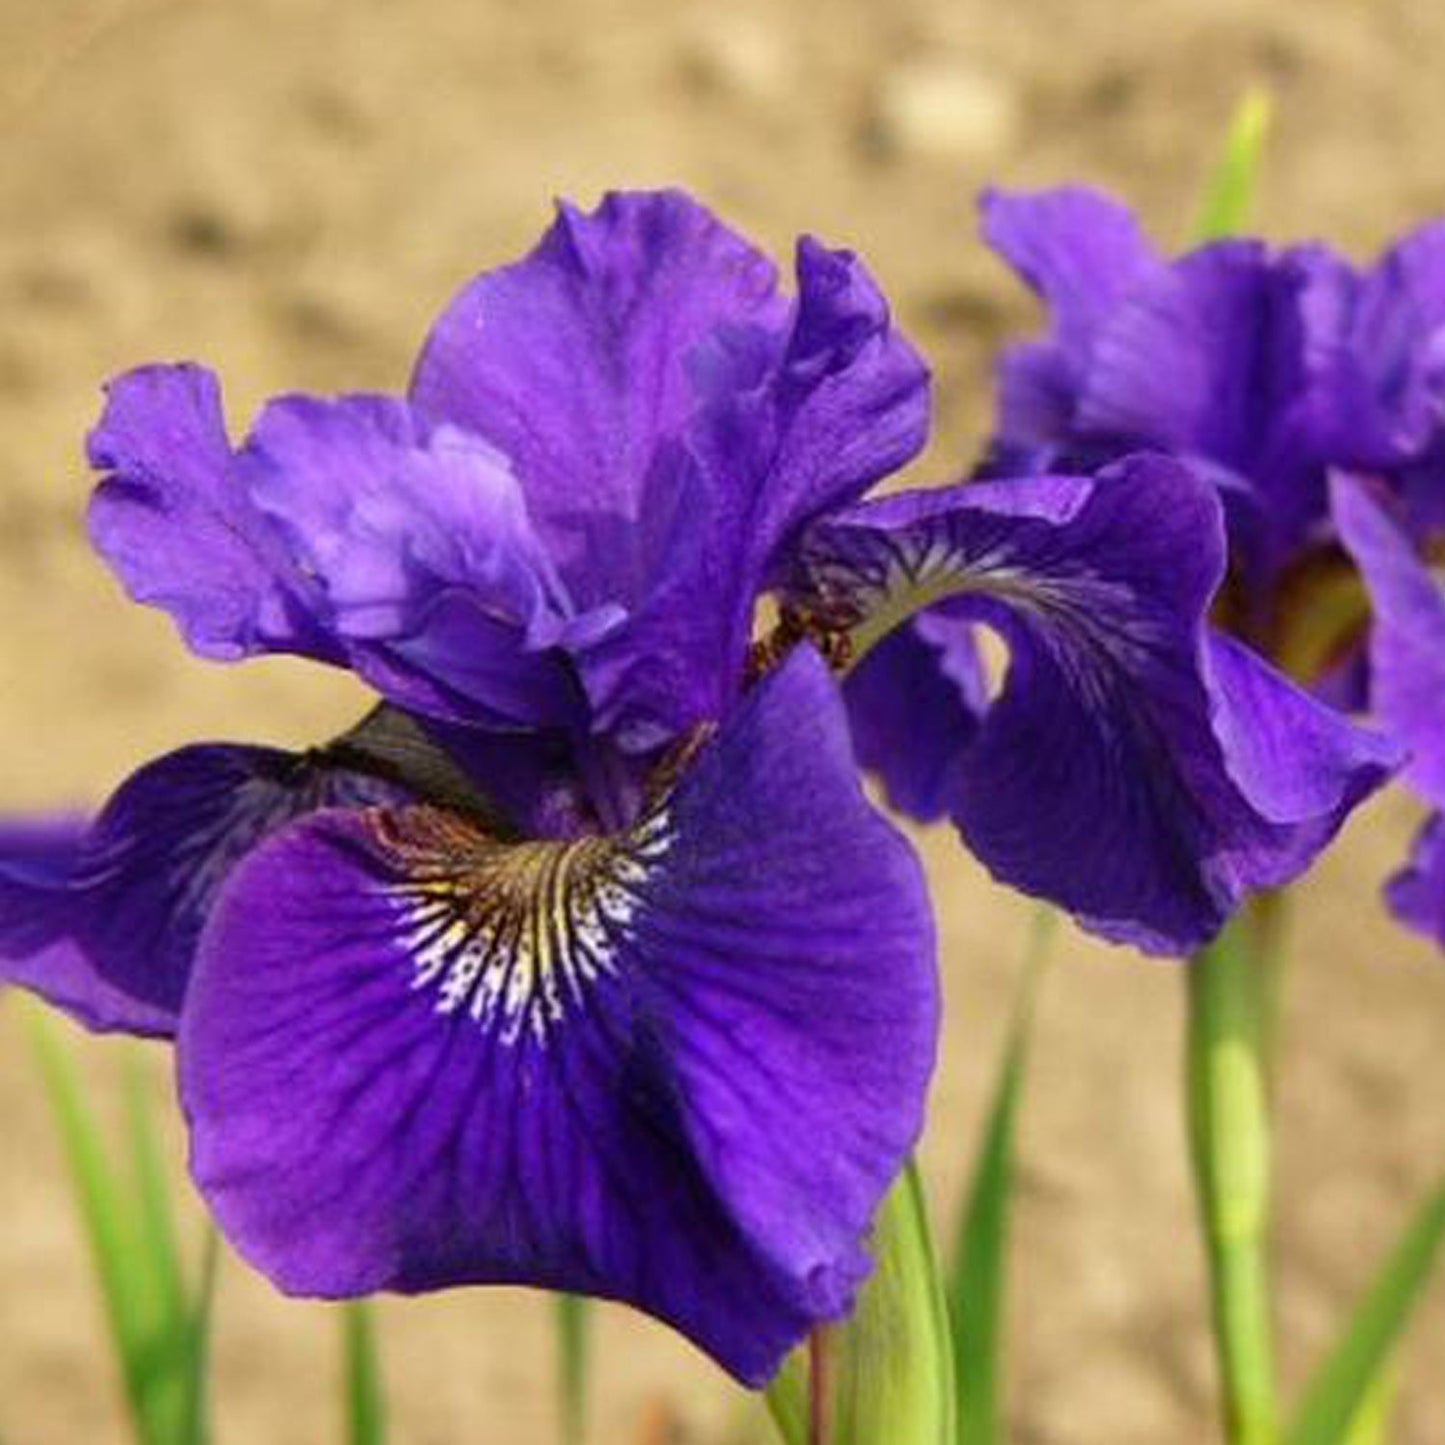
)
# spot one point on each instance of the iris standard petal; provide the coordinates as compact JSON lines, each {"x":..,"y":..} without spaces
{"x":1407,"y":635}
{"x":791,"y":425}
{"x":575,"y":363}
{"x":422,"y":547}
{"x":1393,"y":343}
{"x":1210,"y":358}
{"x":1113,"y":774}
{"x":1080,"y":251}
{"x":178,"y":528}
{"x":673,"y":419}
{"x":111,"y":936}
{"x":678,"y":1066}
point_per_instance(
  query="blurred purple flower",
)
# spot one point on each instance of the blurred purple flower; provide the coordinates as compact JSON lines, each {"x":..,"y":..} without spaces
{"x":1267,"y":372}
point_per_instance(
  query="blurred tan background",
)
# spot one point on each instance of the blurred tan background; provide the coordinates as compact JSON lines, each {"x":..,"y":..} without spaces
{"x":290,"y":190}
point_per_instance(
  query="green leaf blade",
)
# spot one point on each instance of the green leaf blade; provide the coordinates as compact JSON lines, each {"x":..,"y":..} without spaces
{"x":110,"y":1224}
{"x":1227,"y":1093}
{"x":1340,"y":1403}
{"x":976,"y":1287}
{"x":1229,"y":196}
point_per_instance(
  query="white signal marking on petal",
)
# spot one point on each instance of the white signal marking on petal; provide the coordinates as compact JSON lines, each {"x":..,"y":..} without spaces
{"x":515,"y":934}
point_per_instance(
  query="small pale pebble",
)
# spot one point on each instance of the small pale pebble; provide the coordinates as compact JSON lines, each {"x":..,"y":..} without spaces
{"x":735,"y":56}
{"x":945,"y":110}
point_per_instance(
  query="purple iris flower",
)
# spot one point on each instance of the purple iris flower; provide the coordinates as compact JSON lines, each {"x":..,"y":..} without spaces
{"x":579,"y":962}
{"x":582,"y":961}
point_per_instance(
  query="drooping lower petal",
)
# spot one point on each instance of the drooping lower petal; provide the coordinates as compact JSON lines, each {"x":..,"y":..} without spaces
{"x":106,"y":928}
{"x":37,"y":949}
{"x":1117,"y":772}
{"x":677,"y":1067}
{"x":178,"y":528}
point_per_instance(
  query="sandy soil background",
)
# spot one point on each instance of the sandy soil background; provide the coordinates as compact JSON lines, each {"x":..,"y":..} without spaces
{"x":290,"y":190}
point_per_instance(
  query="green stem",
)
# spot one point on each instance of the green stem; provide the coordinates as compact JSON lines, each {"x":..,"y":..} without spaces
{"x":888,"y":1368}
{"x":1230,"y":1027}
{"x":572,"y":1350}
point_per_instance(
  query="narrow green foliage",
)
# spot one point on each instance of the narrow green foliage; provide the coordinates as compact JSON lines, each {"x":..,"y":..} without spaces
{"x":1371,"y":1425}
{"x":891,"y":1362}
{"x":196,"y":1412}
{"x":1349,"y":1396}
{"x":572,"y":1322}
{"x":1228,"y":1101}
{"x":1229,"y":195}
{"x":365,"y":1398}
{"x":976,"y":1287}
{"x":157,"y":1330}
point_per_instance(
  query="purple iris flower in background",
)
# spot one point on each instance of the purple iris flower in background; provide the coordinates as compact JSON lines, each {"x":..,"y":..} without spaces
{"x":575,"y":963}
{"x":1267,"y":372}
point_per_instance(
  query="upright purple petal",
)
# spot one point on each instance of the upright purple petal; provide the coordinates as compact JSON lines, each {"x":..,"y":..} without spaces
{"x":1396,"y":339}
{"x":1115,"y":773}
{"x":1081,"y":252}
{"x":1210,"y":359}
{"x":179,"y":529}
{"x":678,"y":1066}
{"x":106,"y":926}
{"x":673,"y":420}
{"x":575,"y":364}
{"x":791,"y":426}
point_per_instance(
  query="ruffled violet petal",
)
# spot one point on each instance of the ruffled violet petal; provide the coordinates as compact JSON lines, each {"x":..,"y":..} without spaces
{"x":1080,"y":251}
{"x":672,"y":420}
{"x":180,"y":531}
{"x":422,"y":546}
